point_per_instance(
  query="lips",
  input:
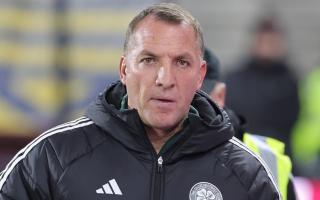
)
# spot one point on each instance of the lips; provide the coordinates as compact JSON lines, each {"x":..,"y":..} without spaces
{"x":164,"y":103}
{"x":164,"y":100}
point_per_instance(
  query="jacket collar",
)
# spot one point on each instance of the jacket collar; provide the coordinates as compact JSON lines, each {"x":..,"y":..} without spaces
{"x":200,"y":132}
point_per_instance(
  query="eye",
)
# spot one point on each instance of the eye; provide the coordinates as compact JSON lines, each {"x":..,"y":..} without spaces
{"x":148,"y":60}
{"x":183,"y":63}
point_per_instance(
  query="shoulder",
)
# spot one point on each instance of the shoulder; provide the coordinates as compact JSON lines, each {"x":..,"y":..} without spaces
{"x":55,"y":148}
{"x":74,"y":139}
{"x":249,"y":168}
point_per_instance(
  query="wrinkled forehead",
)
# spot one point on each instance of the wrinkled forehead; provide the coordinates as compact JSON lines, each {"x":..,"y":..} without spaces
{"x":157,"y":32}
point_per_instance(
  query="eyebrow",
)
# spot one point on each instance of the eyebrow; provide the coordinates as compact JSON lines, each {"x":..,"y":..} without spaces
{"x":179,"y":56}
{"x":147,"y":53}
{"x":185,"y":56}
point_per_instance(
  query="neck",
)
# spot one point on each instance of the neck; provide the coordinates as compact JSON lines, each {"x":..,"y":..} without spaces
{"x":159,"y":137}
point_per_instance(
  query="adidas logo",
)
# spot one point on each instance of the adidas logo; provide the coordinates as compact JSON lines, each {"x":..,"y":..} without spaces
{"x":110,"y":188}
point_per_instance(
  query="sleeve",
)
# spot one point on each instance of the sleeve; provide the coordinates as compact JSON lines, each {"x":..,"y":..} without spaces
{"x":255,"y":175}
{"x":263,"y":187}
{"x":31,"y":174}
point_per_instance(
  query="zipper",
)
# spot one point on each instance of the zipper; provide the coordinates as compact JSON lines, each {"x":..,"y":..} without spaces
{"x":160,"y":163}
{"x":159,"y":180}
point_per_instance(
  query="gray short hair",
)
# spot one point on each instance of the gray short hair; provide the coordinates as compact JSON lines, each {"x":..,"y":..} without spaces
{"x":168,"y":12}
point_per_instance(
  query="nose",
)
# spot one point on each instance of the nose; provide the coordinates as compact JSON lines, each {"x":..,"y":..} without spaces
{"x":165,"y":77}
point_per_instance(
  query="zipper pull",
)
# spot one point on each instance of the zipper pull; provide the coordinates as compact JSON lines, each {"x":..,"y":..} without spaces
{"x":160,"y":163}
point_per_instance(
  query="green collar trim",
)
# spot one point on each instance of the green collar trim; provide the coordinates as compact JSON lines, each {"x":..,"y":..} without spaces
{"x":124,"y":103}
{"x":124,"y":106}
{"x":193,"y":111}
{"x":171,"y":141}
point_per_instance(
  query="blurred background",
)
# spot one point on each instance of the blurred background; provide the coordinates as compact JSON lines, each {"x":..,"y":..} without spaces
{"x":57,"y":55}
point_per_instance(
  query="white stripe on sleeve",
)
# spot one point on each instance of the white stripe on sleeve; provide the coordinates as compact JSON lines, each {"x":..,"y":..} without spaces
{"x":81,"y":122}
{"x":237,"y":142}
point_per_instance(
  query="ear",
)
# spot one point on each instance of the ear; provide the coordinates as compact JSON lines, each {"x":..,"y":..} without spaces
{"x":202,"y":73}
{"x":123,"y":70}
{"x":218,"y":94}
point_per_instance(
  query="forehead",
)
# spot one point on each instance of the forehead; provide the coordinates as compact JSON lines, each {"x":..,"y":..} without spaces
{"x":152,"y":31}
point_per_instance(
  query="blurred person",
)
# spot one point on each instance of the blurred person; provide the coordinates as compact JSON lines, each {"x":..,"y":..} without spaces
{"x":306,"y":133}
{"x":270,"y":149}
{"x":151,"y":135}
{"x":263,"y":89}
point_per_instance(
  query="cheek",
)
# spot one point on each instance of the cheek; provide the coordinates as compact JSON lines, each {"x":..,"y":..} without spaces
{"x":137,"y":86}
{"x":188,"y":89}
{"x":133,"y":87}
{"x":191,"y":82}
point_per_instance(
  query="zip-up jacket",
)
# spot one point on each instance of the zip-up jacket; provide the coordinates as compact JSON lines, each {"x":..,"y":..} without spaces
{"x":107,"y":155}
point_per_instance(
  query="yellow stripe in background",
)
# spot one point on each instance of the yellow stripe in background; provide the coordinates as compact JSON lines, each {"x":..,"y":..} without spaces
{"x":17,"y":54}
{"x":26,"y":20}
{"x":111,"y":21}
{"x":108,"y":59}
{"x":14,"y":121}
{"x":75,"y":21}
{"x":77,"y":57}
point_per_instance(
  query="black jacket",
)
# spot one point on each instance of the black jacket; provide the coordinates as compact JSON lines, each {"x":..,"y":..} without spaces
{"x":239,"y":125}
{"x":107,"y":155}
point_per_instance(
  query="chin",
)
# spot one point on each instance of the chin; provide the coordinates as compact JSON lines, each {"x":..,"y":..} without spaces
{"x":166,"y":124}
{"x":163,"y":121}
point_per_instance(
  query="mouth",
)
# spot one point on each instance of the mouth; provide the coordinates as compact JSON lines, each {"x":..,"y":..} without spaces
{"x":163,"y":102}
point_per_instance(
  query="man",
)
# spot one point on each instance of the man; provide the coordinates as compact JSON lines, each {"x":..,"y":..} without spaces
{"x":150,"y":136}
{"x":263,"y":88}
{"x":270,"y":150}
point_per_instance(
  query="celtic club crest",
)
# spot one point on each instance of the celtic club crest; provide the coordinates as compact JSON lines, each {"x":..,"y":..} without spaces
{"x":205,"y":191}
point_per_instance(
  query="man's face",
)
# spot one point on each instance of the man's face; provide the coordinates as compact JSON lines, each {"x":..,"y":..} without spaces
{"x":162,"y":71}
{"x":269,"y":45}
